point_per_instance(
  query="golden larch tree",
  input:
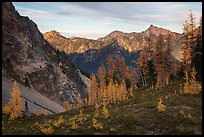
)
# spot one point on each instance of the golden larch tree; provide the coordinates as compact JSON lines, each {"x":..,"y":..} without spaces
{"x":101,"y":74}
{"x":111,"y":66}
{"x":188,"y":41}
{"x":92,"y":93}
{"x":16,"y":102}
{"x":191,"y":86}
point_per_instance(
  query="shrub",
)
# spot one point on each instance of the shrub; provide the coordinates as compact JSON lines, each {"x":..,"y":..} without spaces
{"x":105,"y":112}
{"x":160,"y":106}
{"x":74,"y":124}
{"x":47,"y":130}
{"x":97,"y":125}
{"x":58,"y":122}
{"x":96,"y":113}
{"x":191,"y":86}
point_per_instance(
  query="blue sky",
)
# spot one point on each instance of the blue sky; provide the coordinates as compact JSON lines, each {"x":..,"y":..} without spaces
{"x":97,"y":19}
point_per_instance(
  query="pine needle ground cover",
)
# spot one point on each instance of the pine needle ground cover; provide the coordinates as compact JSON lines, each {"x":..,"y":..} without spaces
{"x":138,"y":115}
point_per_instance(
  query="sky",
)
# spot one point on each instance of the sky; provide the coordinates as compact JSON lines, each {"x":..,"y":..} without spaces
{"x":97,"y":19}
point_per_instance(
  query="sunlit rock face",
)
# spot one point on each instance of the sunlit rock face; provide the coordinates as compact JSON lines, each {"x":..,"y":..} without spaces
{"x":32,"y":61}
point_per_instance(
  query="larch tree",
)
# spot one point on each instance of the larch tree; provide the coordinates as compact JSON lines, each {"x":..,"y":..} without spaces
{"x":131,"y":91}
{"x":197,"y":51}
{"x":67,"y":105}
{"x":101,"y":75}
{"x":145,"y":62}
{"x":191,"y":86}
{"x":105,"y":113}
{"x":111,"y":67}
{"x":168,"y":60}
{"x":117,"y":90}
{"x":123,"y":91}
{"x":120,"y":69}
{"x":188,"y":41}
{"x":110,"y":90}
{"x":143,"y":66}
{"x":16,"y":102}
{"x":159,"y":61}
{"x":114,"y":93}
{"x":92,"y":94}
{"x":132,"y":76}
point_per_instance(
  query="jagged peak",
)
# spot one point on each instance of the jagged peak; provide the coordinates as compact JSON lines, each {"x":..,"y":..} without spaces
{"x":53,"y":33}
{"x":156,"y":30}
{"x":153,"y":27}
{"x":117,"y":31}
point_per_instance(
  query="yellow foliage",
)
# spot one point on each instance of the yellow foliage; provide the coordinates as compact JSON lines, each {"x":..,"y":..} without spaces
{"x":112,"y":129}
{"x":110,"y":91}
{"x":92,"y":93}
{"x":86,"y":102}
{"x":160,"y":106}
{"x":74,"y":124}
{"x":104,"y":97}
{"x":97,"y":125}
{"x":191,"y":86}
{"x":105,"y":112}
{"x":16,"y":103}
{"x":96,"y":114}
{"x":123,"y":90}
{"x":6,"y":109}
{"x":58,"y":122}
{"x":67,"y":106}
{"x":131,"y":91}
{"x":47,"y":130}
{"x":46,"y":127}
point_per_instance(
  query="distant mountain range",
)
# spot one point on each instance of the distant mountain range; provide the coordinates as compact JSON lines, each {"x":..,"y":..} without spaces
{"x":88,"y":54}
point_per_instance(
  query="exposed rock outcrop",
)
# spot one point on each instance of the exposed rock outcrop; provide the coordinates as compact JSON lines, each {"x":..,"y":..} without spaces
{"x":32,"y":61}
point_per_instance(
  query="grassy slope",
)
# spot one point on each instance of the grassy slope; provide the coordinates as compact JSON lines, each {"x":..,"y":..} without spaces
{"x":139,"y":115}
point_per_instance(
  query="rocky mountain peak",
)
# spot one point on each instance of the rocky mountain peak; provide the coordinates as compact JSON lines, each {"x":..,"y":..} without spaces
{"x":116,"y":33}
{"x":53,"y":33}
{"x":156,"y":31}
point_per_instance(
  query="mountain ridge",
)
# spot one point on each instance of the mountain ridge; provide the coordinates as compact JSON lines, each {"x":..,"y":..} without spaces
{"x":84,"y":50}
{"x":30,"y":60}
{"x":130,"y":41}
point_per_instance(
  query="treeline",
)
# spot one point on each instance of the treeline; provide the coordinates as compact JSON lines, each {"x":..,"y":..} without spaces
{"x":192,"y":46}
{"x":157,"y":65}
{"x":111,"y":85}
{"x":156,"y":68}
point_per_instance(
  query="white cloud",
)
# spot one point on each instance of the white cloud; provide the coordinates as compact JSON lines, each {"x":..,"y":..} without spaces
{"x":36,"y":14}
{"x":91,"y":16}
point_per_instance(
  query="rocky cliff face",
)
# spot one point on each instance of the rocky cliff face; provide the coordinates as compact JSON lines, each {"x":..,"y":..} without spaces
{"x":30,"y":60}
